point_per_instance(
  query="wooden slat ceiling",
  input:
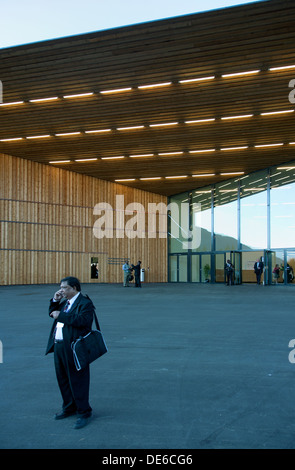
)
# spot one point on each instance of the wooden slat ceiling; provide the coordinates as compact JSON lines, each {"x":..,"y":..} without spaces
{"x":255,"y":38}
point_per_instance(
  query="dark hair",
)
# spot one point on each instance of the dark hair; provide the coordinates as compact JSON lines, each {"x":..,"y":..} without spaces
{"x":73,"y":282}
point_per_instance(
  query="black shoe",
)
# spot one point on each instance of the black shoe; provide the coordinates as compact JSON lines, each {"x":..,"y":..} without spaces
{"x":64,"y":414}
{"x":81,"y":422}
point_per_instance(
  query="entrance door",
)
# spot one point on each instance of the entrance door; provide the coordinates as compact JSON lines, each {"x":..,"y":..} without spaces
{"x":178,"y":268}
{"x":236,"y":259}
{"x":195,"y":268}
{"x":269,"y":264}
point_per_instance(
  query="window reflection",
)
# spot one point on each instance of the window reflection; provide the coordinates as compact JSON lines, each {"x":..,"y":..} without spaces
{"x":289,"y":270}
{"x":254,"y":211}
{"x":282,"y":200}
{"x":178,"y":223}
{"x":226,"y":216}
{"x":240,"y":223}
{"x":201,"y":216}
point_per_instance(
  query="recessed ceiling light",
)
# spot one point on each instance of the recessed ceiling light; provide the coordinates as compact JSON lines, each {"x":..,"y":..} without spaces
{"x":118,"y":90}
{"x":78,"y":95}
{"x":191,"y":80}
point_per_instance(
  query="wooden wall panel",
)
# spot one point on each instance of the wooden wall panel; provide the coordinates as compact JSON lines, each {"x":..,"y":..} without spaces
{"x":46,"y":217}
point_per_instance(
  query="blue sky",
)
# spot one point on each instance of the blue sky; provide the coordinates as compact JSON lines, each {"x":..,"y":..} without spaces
{"x":25,"y":21}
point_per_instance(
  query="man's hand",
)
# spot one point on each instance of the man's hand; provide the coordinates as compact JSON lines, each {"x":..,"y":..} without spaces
{"x":55,"y":314}
{"x":58,"y":296}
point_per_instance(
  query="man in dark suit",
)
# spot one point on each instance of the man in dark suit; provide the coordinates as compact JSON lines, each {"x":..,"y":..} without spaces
{"x":136,"y":270}
{"x":73,"y":316}
{"x":258,"y":268}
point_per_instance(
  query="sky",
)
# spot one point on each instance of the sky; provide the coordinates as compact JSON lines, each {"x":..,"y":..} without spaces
{"x":26,"y":21}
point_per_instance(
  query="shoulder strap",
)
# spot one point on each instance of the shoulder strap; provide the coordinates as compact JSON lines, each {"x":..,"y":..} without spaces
{"x":94,"y":314}
{"x":96,"y":320}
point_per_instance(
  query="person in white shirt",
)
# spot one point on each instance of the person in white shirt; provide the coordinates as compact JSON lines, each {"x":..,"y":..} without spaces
{"x":126,"y":270}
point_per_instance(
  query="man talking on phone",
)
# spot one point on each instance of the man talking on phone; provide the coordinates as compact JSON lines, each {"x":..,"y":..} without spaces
{"x":73,"y":316}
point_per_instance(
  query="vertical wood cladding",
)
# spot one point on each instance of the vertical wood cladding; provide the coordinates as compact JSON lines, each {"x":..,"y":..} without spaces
{"x":47,"y":219}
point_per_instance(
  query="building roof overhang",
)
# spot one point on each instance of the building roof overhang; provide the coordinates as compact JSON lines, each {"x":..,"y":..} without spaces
{"x":164,"y":106}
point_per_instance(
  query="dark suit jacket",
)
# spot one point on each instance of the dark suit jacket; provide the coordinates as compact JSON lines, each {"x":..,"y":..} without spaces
{"x":260,"y":269}
{"x":77,"y":321}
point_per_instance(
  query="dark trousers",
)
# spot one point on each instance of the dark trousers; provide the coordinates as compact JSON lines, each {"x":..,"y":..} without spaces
{"x":229,"y":278}
{"x":73,"y":384}
{"x":258,"y":277}
{"x":137,"y":280}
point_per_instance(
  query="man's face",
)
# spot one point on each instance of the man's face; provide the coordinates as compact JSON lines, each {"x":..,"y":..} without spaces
{"x":68,"y":291}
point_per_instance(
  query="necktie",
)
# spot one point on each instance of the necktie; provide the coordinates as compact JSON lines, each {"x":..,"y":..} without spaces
{"x":67,"y":307}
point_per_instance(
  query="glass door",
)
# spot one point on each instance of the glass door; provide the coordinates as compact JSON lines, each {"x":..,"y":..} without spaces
{"x":205,"y":268}
{"x":236,"y":259}
{"x":220,"y":260}
{"x":248,"y":259}
{"x":269,"y":265}
{"x":289,"y":271}
{"x":195,"y":268}
{"x":182,"y":268}
{"x":178,"y":268}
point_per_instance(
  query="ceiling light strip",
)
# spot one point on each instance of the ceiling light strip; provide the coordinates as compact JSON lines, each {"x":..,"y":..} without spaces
{"x":200,"y":79}
{"x":12,"y":103}
{"x":202,"y":151}
{"x":243,"y":116}
{"x":78,"y":95}
{"x":12,"y":139}
{"x":142,"y":155}
{"x":162,"y":124}
{"x":277,"y":112}
{"x":199,"y":121}
{"x":175,"y":177}
{"x":38,"y":136}
{"x":97,"y":131}
{"x":268,"y":145}
{"x":113,"y":158}
{"x":284,"y":67}
{"x":117,"y":90}
{"x":130,"y":128}
{"x":86,"y":160}
{"x":40,"y":100}
{"x":235,"y":148}
{"x":240,"y":74}
{"x":151,"y":178}
{"x":154,"y":85}
{"x":65,"y":134}
{"x":204,"y":175}
{"x":233,"y":173}
{"x":125,"y":179}
{"x":61,"y":161}
{"x":165,"y":154}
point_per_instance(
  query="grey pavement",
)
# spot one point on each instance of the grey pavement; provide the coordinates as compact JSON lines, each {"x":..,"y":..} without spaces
{"x":189,"y":366}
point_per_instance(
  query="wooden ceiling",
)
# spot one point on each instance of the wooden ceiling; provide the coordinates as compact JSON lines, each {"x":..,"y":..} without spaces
{"x":179,"y":128}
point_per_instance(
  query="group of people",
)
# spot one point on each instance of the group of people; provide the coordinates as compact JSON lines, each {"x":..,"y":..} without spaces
{"x":277,"y":270}
{"x":128,"y":276}
{"x":258,"y":270}
{"x":230,"y":269}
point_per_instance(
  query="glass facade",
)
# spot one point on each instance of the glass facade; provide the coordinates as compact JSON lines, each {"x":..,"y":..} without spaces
{"x":243,"y":219}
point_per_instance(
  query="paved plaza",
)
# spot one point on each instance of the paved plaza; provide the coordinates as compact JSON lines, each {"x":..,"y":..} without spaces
{"x":189,"y":366}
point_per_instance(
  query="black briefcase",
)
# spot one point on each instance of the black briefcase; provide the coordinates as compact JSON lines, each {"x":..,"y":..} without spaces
{"x":88,"y":348}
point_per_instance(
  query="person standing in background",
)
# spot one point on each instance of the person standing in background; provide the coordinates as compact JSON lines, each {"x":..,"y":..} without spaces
{"x":258,"y":269}
{"x":126,"y":270}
